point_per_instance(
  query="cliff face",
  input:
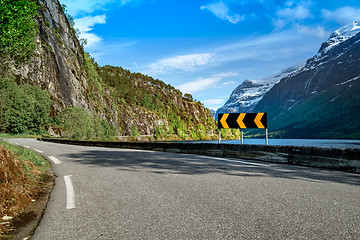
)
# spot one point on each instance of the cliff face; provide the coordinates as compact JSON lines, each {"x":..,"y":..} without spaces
{"x":57,"y":62}
{"x":60,"y":66}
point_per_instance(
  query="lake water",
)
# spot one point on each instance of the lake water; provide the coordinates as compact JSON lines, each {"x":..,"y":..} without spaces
{"x":325,"y":143}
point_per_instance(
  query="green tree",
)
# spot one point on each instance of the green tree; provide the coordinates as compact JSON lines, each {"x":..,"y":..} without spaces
{"x":225,"y":133}
{"x":23,"y":108}
{"x":188,"y":96}
{"x":134,"y":131}
{"x":78,"y":123}
{"x":102,"y":129}
{"x":92,"y":74}
{"x":201,"y":131}
{"x":193,"y":134}
{"x":236,"y":132}
{"x":181,"y":133}
{"x":159,"y":132}
{"x":17,"y":30}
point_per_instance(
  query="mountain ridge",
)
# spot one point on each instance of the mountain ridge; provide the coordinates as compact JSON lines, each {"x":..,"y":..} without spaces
{"x":246,"y":96}
{"x":310,"y":102}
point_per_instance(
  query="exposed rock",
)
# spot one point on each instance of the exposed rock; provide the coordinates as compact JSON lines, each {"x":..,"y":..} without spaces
{"x":57,"y":66}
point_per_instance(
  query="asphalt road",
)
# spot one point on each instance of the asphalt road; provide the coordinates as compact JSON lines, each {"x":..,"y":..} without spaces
{"x":131,"y":194}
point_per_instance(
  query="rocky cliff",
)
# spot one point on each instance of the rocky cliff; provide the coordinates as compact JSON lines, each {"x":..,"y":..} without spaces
{"x":57,"y":62}
{"x":60,"y":66}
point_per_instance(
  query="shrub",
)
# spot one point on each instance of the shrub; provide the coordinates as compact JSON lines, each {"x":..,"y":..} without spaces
{"x":225,"y":132}
{"x":160,"y":132}
{"x":193,"y":134}
{"x":92,"y":74}
{"x":201,"y":131}
{"x":134,"y":131}
{"x":181,"y":133}
{"x":102,"y":129}
{"x":17,"y":30}
{"x":23,"y":108}
{"x":237,"y":133}
{"x":78,"y":124}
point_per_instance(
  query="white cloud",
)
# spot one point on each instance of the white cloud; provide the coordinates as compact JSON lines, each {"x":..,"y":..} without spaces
{"x":203,"y":83}
{"x":300,"y":12}
{"x":86,"y":24}
{"x":227,"y":83}
{"x":294,"y":15}
{"x":221,"y":10}
{"x":318,"y":31}
{"x":264,"y":48}
{"x":343,"y":16}
{"x":184,"y":62}
{"x":216,"y":101}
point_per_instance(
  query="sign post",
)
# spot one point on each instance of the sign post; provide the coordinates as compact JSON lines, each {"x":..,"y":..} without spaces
{"x":266,"y":137}
{"x":242,"y":121}
{"x":242,"y":136}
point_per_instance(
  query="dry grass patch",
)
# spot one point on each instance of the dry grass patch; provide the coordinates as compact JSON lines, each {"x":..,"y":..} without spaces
{"x":22,"y":174}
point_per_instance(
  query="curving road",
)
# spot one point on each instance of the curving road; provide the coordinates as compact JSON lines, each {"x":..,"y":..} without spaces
{"x":129,"y":194}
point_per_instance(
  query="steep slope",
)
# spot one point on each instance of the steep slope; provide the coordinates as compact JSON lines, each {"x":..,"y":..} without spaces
{"x":246,"y":96}
{"x":57,"y":62}
{"x":60,"y":66}
{"x":150,"y":104}
{"x":322,"y":99}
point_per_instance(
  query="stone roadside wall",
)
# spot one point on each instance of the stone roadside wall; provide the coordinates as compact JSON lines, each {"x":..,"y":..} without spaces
{"x":341,"y":159}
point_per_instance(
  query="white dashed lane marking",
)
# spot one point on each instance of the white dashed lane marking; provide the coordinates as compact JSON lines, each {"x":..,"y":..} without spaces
{"x":70,"y":193}
{"x":55,"y":160}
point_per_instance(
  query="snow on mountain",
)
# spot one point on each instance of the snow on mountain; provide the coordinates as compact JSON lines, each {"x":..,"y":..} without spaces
{"x":245,"y":97}
{"x":322,"y":99}
{"x":335,"y":51}
{"x":338,"y":44}
{"x":340,"y":35}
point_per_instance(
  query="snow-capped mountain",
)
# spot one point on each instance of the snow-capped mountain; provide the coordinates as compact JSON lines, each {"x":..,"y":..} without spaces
{"x":340,"y":35}
{"x":319,"y":100}
{"x":245,"y":97}
{"x":322,"y":99}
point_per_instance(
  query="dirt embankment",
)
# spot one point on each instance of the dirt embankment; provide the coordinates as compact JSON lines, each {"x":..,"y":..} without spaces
{"x":24,"y":192}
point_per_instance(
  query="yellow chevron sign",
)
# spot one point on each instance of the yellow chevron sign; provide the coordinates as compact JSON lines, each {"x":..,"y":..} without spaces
{"x":242,"y":120}
{"x":223,"y":120}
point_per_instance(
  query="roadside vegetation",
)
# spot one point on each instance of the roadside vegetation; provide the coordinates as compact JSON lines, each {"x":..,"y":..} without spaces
{"x":22,"y":177}
{"x":17,"y":31}
{"x":23,"y":108}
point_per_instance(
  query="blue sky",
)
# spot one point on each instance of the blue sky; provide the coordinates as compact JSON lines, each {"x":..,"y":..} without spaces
{"x":207,"y":47}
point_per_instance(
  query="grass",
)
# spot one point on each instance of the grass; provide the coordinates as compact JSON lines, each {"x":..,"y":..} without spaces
{"x":25,"y":155}
{"x":21,"y":135}
{"x":23,"y":178}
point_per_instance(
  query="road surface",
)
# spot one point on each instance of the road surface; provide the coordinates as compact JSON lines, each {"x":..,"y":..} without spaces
{"x":105,"y":193}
